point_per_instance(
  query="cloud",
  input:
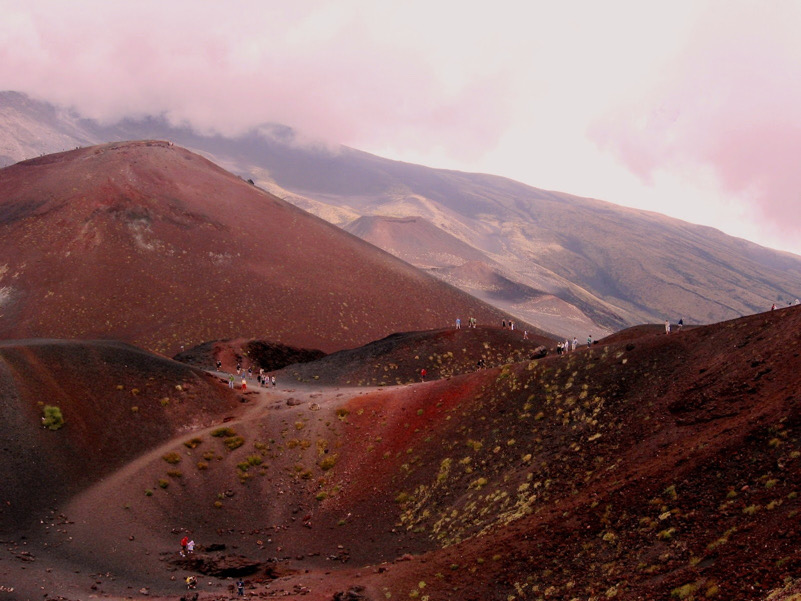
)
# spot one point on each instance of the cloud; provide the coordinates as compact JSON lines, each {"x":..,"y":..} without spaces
{"x":327,"y":69}
{"x":728,"y":104}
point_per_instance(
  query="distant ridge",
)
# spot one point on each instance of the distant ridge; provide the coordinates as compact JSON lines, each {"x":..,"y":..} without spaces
{"x":603,"y":267}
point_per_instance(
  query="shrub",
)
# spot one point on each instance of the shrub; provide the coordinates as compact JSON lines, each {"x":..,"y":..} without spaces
{"x":202,"y":465}
{"x":164,"y":483}
{"x":174,"y":473}
{"x":682,"y":592}
{"x":328,"y":462}
{"x":172,"y":458}
{"x":52,"y":419}
{"x":193,"y":443}
{"x":233,"y":442}
{"x":223,"y":432}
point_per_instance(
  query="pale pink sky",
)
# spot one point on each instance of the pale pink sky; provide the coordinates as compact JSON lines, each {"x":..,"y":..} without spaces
{"x":688,"y":108}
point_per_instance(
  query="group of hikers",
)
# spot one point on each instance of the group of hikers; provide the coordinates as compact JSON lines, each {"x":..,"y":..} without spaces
{"x":471,"y":323}
{"x":565,"y":347}
{"x":668,"y":328}
{"x":263,"y":379}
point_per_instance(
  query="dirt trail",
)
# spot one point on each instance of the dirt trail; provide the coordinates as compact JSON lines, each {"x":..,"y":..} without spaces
{"x":90,"y":534}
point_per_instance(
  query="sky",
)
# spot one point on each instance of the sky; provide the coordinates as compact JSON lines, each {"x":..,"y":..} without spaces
{"x":687,"y":108}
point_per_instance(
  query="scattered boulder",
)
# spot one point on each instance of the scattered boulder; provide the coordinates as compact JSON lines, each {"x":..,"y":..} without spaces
{"x":354,"y":593}
{"x":539,"y":352}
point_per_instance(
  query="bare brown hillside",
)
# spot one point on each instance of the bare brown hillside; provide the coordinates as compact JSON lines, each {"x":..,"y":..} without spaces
{"x":150,"y":243}
{"x":655,"y":467}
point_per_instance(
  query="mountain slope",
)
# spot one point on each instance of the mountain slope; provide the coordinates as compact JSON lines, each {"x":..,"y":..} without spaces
{"x":614,"y":266}
{"x":149,"y":243}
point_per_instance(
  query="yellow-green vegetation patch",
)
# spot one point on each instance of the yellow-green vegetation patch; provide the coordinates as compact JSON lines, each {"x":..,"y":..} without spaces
{"x":685,"y":591}
{"x":328,"y":462}
{"x":172,"y":458}
{"x":52,"y":418}
{"x":233,"y":442}
{"x":224,"y":432}
{"x":193,"y":443}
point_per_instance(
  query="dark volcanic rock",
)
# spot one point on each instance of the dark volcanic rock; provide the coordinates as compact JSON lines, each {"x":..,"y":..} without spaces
{"x":225,"y":566}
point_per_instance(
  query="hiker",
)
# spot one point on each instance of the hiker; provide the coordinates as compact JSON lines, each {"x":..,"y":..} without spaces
{"x":244,"y":383}
{"x":773,"y":307}
{"x":525,"y":334}
{"x":511,"y":325}
{"x":273,"y":381}
{"x":567,"y":346}
{"x":503,"y":324}
{"x":219,"y":365}
{"x":681,"y":323}
{"x":190,"y":547}
{"x":184,"y":542}
{"x":575,"y":343}
{"x":589,"y":341}
{"x":667,"y":326}
{"x":423,"y":373}
{"x":458,"y":324}
{"x":240,"y":588}
{"x":231,"y":381}
{"x":191,"y":582}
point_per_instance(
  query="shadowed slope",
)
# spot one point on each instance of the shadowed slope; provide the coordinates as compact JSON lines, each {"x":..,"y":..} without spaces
{"x":152,"y":244}
{"x":116,"y":401}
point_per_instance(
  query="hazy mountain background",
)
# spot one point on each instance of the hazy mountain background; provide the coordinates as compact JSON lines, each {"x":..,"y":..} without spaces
{"x":569,"y":265}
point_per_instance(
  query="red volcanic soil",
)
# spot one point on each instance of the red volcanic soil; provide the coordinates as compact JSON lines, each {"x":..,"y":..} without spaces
{"x":442,"y":353}
{"x":152,"y":244}
{"x":657,"y":467}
